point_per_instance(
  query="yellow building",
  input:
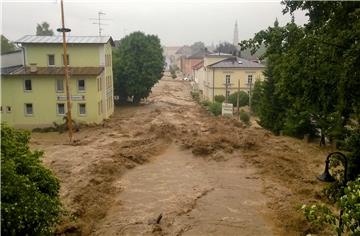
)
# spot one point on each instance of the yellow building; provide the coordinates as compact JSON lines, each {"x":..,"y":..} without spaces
{"x":33,"y":94}
{"x":219,"y":74}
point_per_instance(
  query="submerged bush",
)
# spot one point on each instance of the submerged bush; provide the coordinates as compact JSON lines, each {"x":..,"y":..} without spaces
{"x":244,"y":117}
{"x":30,"y":202}
{"x":219,"y":98}
{"x":215,"y":108}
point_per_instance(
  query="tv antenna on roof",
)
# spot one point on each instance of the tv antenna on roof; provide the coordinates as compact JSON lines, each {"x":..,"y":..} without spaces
{"x":98,"y":21}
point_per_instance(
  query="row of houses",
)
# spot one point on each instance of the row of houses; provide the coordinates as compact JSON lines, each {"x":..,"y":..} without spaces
{"x":221,"y":74}
{"x":33,"y":87}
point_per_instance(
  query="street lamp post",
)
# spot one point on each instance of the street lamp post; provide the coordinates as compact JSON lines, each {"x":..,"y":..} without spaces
{"x":327,"y":177}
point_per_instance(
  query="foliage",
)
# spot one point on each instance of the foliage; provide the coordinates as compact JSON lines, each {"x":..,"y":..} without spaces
{"x":195,"y":95}
{"x":197,"y":47}
{"x":226,"y":47}
{"x":30,"y":202}
{"x":352,"y":145}
{"x":138,"y":65}
{"x":219,"y":98}
{"x":244,"y":117}
{"x":43,"y":29}
{"x":173,"y":69}
{"x":6,"y":45}
{"x":349,"y":202}
{"x":215,"y":108}
{"x":256,"y":95}
{"x":243,"y":99}
{"x":206,"y":103}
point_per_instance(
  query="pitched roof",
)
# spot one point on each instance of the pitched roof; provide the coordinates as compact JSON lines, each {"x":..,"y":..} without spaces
{"x":54,"y":71}
{"x":9,"y":69}
{"x":236,"y":62}
{"x":198,"y":65}
{"x":198,"y":55}
{"x":69,"y":39}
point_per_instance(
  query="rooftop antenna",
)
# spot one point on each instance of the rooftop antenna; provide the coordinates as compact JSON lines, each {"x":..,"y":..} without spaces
{"x":98,"y":21}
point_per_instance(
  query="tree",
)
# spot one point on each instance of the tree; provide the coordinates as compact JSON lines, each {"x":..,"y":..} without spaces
{"x":43,"y":29}
{"x":30,"y":202}
{"x":256,"y":95}
{"x":226,"y":47}
{"x":197,"y":47}
{"x":138,"y":65}
{"x":6,"y":45}
{"x":243,"y":99}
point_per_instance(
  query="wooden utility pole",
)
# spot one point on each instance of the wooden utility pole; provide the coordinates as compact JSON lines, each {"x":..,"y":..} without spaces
{"x":66,"y":72}
{"x":238,"y":99}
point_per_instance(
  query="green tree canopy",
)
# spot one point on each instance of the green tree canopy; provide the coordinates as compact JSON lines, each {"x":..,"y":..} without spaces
{"x":30,"y":202}
{"x":138,"y":65}
{"x":6,"y":45}
{"x":43,"y":29}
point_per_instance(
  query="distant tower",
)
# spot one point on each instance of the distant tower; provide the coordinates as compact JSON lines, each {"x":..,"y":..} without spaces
{"x":236,"y":36}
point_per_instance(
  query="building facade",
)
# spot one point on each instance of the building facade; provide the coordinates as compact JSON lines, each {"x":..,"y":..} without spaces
{"x":33,"y":94}
{"x":219,"y":74}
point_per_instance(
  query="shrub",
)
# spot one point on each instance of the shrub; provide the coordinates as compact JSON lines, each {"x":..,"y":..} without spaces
{"x":244,"y":117}
{"x":30,"y":202}
{"x":195,"y":95}
{"x":219,"y":98}
{"x":215,"y":108}
{"x":206,"y":103}
{"x":243,"y":99}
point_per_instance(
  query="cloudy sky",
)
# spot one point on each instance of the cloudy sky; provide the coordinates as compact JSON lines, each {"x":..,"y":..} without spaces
{"x":176,"y":22}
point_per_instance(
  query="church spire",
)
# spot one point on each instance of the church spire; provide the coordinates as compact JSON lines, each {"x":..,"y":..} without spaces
{"x":236,"y":35}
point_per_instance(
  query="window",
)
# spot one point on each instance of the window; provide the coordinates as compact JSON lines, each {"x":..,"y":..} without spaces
{"x":99,"y":84}
{"x":61,"y":109}
{"x":51,"y":60}
{"x":29,"y":109}
{"x":0,"y":108}
{"x":8,"y":109}
{"x":227,"y":93}
{"x":27,"y":85}
{"x":100,"y":107}
{"x":82,"y":109}
{"x":250,"y":77}
{"x":59,"y":85}
{"x":227,"y":79}
{"x":67,"y":58}
{"x":81,"y":85}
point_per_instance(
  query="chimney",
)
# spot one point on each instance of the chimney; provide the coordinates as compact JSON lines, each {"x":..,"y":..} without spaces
{"x":33,"y":67}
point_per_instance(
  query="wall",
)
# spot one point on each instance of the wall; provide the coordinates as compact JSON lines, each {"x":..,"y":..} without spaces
{"x":236,"y":74}
{"x":80,"y":55}
{"x":44,"y":99}
{"x":12,"y":59}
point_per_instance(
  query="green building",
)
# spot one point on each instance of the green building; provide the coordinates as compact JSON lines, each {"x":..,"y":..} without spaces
{"x":33,"y":93}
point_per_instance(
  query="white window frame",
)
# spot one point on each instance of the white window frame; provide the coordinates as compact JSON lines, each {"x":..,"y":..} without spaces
{"x":78,"y":87}
{"x":252,"y":79}
{"x":227,"y":79}
{"x":57,"y":109}
{"x":25,"y":109}
{"x":56,"y":86}
{"x":79,"y":105}
{"x":48,"y":59}
{"x":27,"y":90}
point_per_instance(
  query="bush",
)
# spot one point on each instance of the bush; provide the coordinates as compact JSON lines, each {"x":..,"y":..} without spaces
{"x":243,"y":99}
{"x":244,"y":117}
{"x":215,"y":108}
{"x":195,"y":95}
{"x":206,"y":103}
{"x":30,"y":202}
{"x":219,"y":98}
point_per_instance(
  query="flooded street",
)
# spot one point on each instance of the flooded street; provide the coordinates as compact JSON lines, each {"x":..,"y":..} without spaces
{"x":168,"y":167}
{"x":193,"y":196}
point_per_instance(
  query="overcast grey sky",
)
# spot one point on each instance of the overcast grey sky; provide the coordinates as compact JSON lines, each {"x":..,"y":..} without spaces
{"x":176,"y":22}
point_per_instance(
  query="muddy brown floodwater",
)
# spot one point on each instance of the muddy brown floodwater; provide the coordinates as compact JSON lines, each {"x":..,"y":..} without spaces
{"x":168,"y":167}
